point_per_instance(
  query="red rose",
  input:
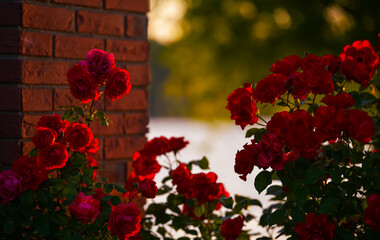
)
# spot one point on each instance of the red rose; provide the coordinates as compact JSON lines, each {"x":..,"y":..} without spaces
{"x":231,"y":228}
{"x":332,"y":63}
{"x":156,"y":146}
{"x":181,"y":178}
{"x":31,"y":170}
{"x":10,"y":186}
{"x":328,"y":122}
{"x":132,"y":178}
{"x":359,"y":62}
{"x":270,"y":88}
{"x":299,"y":135}
{"x":205,"y":188}
{"x":99,"y":193}
{"x":93,"y":148}
{"x":79,"y":136}
{"x":245,"y":160}
{"x":358,"y":125}
{"x":242,"y":107}
{"x":270,"y":152}
{"x":310,"y":61}
{"x":53,"y":156}
{"x":148,"y":188}
{"x":99,"y":64}
{"x":125,"y":221}
{"x":277,"y":123}
{"x":85,"y":208}
{"x":91,"y":162}
{"x":318,"y":79}
{"x":297,"y":86}
{"x":44,"y":137}
{"x":372,"y":212}
{"x":342,"y":100}
{"x":118,"y":84}
{"x":177,"y":144}
{"x":145,"y":166}
{"x":287,"y":65}
{"x":53,"y":122}
{"x":83,"y":85}
{"x":315,"y":228}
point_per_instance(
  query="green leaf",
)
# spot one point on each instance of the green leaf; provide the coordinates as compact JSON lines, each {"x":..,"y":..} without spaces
{"x":262,"y":180}
{"x":79,"y":110}
{"x":314,"y":174}
{"x":329,"y":204}
{"x":78,"y":159}
{"x":42,"y":225}
{"x":300,"y":195}
{"x":27,"y":198}
{"x":107,"y":188}
{"x":70,"y":192}
{"x":68,"y":113}
{"x":275,"y":190}
{"x":164,"y":189}
{"x":34,"y":152}
{"x":256,"y":132}
{"x":277,"y":217}
{"x":120,"y":188}
{"x":199,"y":210}
{"x":115,"y":200}
{"x":297,"y":214}
{"x":203,"y":163}
{"x":226,"y":202}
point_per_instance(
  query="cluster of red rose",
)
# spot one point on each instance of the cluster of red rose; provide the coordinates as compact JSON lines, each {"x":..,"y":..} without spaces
{"x":98,"y":69}
{"x":52,"y":137}
{"x":357,"y":62}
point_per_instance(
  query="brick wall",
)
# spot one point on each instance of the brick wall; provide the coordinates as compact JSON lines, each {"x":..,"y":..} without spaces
{"x":40,"y":40}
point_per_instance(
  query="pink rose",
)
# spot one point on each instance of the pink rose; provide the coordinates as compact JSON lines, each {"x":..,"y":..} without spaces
{"x":84,"y":207}
{"x":10,"y":186}
{"x":100,"y":64}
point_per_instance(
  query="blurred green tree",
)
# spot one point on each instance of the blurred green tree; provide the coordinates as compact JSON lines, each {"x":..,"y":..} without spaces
{"x":225,"y":43}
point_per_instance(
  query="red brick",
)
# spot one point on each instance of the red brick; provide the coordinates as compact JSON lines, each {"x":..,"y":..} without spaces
{"x":114,"y":171}
{"x":48,"y":18}
{"x":10,"y":151}
{"x":125,"y":50}
{"x":27,"y":147}
{"x":37,"y":99}
{"x":44,"y":72}
{"x":10,"y":71}
{"x":10,"y":98}
{"x":115,"y":127}
{"x":10,"y":14}
{"x":136,"y":26}
{"x":29,"y":123}
{"x":136,"y":123}
{"x":38,"y":44}
{"x":100,"y":23}
{"x":89,"y":3}
{"x":63,"y":97}
{"x":136,"y":100}
{"x":123,"y":147}
{"x":9,"y":41}
{"x":75,"y":47}
{"x":140,"y":74}
{"x":128,"y":5}
{"x":10,"y":125}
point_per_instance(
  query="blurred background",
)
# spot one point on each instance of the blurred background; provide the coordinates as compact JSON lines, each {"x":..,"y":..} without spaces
{"x":201,"y":50}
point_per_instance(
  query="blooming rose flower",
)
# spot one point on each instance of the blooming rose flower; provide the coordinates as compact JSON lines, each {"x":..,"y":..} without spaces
{"x":132,"y":178}
{"x":79,"y":136}
{"x":287,"y":65}
{"x":359,"y":62}
{"x":342,"y":100}
{"x":53,"y":156}
{"x":270,"y":152}
{"x":157,"y":146}
{"x":332,"y":63}
{"x":181,"y":178}
{"x":44,"y":137}
{"x":91,"y":162}
{"x":329,"y":122}
{"x":145,"y":166}
{"x":118,"y":84}
{"x":318,"y":79}
{"x":310,"y":61}
{"x":84,"y":207}
{"x":100,"y":64}
{"x":315,"y":228}
{"x":245,"y":160}
{"x":231,"y":228}
{"x":270,"y":88}
{"x":10,"y":186}
{"x":297,"y":86}
{"x":242,"y":107}
{"x":358,"y":125}
{"x":205,"y":188}
{"x":177,"y":144}
{"x":148,"y":188}
{"x":372,"y":212}
{"x":125,"y":221}
{"x":277,"y":123}
{"x":31,"y":171}
{"x":53,"y":122}
{"x":83,"y":85}
{"x":93,"y":148}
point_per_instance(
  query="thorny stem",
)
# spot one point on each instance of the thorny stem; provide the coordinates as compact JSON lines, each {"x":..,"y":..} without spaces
{"x":262,"y":119}
{"x":91,"y":108}
{"x":286,"y":101}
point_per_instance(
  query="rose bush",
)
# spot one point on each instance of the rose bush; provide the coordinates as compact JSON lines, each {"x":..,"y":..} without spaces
{"x":321,"y":151}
